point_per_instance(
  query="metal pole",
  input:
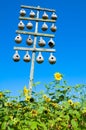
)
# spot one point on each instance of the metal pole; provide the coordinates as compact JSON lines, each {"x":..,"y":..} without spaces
{"x":33,"y":57}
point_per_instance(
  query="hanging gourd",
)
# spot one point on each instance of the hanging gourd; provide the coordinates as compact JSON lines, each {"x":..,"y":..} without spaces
{"x":39,"y":58}
{"x":51,"y":43}
{"x":29,"y":40}
{"x":45,"y":16}
{"x":18,"y":38}
{"x":22,"y":12}
{"x":27,"y":57}
{"x":29,"y":25}
{"x":41,"y":42}
{"x":16,"y":56}
{"x":54,"y":16}
{"x":52,"y":59}
{"x":53,"y":28}
{"x":32,"y":14}
{"x":21,"y":25}
{"x":44,"y":26}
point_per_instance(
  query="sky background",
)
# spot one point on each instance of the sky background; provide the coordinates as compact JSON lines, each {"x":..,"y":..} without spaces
{"x":70,"y":40}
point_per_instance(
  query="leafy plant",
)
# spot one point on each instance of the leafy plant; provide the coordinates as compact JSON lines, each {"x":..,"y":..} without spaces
{"x":59,"y":107}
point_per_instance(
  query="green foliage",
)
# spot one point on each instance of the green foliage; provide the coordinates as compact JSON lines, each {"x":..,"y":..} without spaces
{"x":60,"y":107}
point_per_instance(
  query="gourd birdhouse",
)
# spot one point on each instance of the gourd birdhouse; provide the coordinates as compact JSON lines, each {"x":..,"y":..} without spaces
{"x":52,"y":59}
{"x":44,"y":26}
{"x":54,"y":16}
{"x":21,"y":25}
{"x":53,"y":28}
{"x":16,"y":57}
{"x":39,"y":58}
{"x":18,"y":38}
{"x":27,"y":57}
{"x":51,"y":43}
{"x":41,"y":42}
{"x":29,"y":40}
{"x":45,"y":16}
{"x":32,"y":14}
{"x":29,"y":25}
{"x":22,"y":12}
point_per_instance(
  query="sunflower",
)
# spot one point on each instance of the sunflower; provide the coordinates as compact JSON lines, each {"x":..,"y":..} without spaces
{"x":1,"y":94}
{"x":47,"y":99}
{"x":44,"y":96}
{"x":57,"y":76}
{"x":34,"y":113}
{"x":54,"y":104}
{"x":27,"y":98}
{"x":46,"y":111}
{"x":26,"y":91}
{"x":70,"y":102}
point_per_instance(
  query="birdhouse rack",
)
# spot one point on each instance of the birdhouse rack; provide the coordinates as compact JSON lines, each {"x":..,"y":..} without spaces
{"x":25,"y":30}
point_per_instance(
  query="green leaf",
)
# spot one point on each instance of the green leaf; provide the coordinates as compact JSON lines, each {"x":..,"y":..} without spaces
{"x":33,"y":125}
{"x":65,"y":82}
{"x":43,"y":126}
{"x":3,"y":126}
{"x":8,"y":128}
{"x":25,"y":128}
{"x":77,"y":114}
{"x":67,"y":117}
{"x":7,"y":91}
{"x":74,"y":124}
{"x":35,"y":84}
{"x":6,"y":118}
{"x":51,"y":93}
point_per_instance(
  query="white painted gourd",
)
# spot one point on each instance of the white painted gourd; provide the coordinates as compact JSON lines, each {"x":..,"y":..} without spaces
{"x":54,"y":16}
{"x":22,"y":12}
{"x":29,"y":40}
{"x":52,"y":59}
{"x":51,"y":43}
{"x":16,"y":57}
{"x":45,"y":16}
{"x":53,"y":28}
{"x":41,"y":42}
{"x":27,"y":57}
{"x":18,"y":38}
{"x":21,"y":25}
{"x":40,"y":58}
{"x":44,"y":26}
{"x":29,"y":25}
{"x":32,"y":14}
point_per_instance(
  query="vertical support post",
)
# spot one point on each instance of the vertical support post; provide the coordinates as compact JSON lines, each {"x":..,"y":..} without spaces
{"x":33,"y":57}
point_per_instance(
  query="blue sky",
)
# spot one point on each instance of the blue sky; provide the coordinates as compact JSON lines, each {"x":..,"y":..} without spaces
{"x":70,"y":42}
